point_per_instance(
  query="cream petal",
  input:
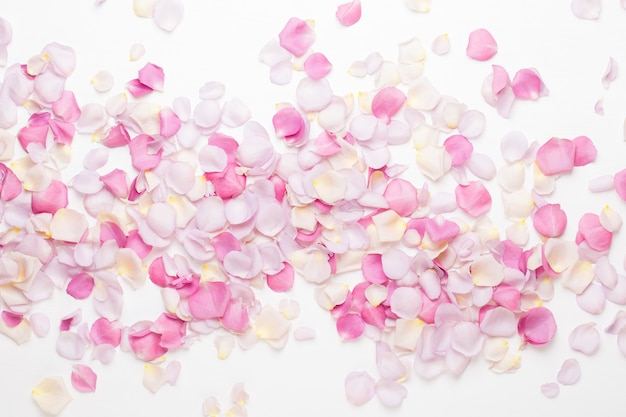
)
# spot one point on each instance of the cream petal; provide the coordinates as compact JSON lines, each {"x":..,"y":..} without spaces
{"x":68,"y":225}
{"x":51,"y":395}
{"x":486,"y":271}
{"x":269,"y":324}
{"x":102,"y":81}
{"x":224,"y":344}
{"x":517,"y":204}
{"x":422,"y":95}
{"x":154,"y":377}
{"x":441,"y":44}
{"x":389,"y":225}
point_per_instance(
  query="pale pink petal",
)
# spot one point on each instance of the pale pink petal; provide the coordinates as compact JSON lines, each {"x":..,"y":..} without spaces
{"x":297,"y":36}
{"x":610,"y":74}
{"x":207,"y":113}
{"x":235,"y":113}
{"x":360,"y":387}
{"x":51,"y":395}
{"x":498,"y":321}
{"x":610,"y":219}
{"x":116,"y":182}
{"x":102,"y":81}
{"x":481,"y":45}
{"x":537,"y":326}
{"x":281,"y":72}
{"x":527,"y":84}
{"x":473,"y":198}
{"x":592,"y":300}
{"x":66,"y":107}
{"x":556,"y":156}
{"x":471,"y":124}
{"x":154,"y":377}
{"x":317,"y":65}
{"x":350,"y":326}
{"x":482,"y":166}
{"x":390,"y":393}
{"x":599,"y":107}
{"x":586,"y":9}
{"x":83,"y":378}
{"x":441,"y":44}
{"x":169,"y":122}
{"x":313,"y":95}
{"x":209,"y":301}
{"x":168,"y":14}
{"x":569,"y":373}
{"x":550,"y":389}
{"x":161,"y":218}
{"x":173,"y":371}
{"x":93,"y":117}
{"x":401,"y":196}
{"x":180,"y":177}
{"x":585,"y":338}
{"x":272,"y":53}
{"x":387,"y":102}
{"x":71,"y":345}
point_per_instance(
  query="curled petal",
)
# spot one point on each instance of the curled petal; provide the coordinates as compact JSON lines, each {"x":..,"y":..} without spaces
{"x":51,"y":199}
{"x":83,"y":378}
{"x":610,"y":74}
{"x":481,"y":45}
{"x":152,"y":75}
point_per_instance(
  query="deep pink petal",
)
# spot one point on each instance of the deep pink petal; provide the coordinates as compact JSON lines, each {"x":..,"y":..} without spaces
{"x":80,"y":286}
{"x":473,"y":198}
{"x":146,"y":344}
{"x":235,"y":317}
{"x":141,"y":156}
{"x":481,"y":45}
{"x":537,"y":326}
{"x":550,"y":220}
{"x":290,"y":125}
{"x":209,"y":301}
{"x":349,"y":13}
{"x":33,"y":134}
{"x":527,"y":84}
{"x":172,"y":330}
{"x":317,"y":65}
{"x":585,"y":151}
{"x":137,"y":89}
{"x":62,"y":131}
{"x":590,"y":230}
{"x":350,"y":326}
{"x":116,"y":137}
{"x":401,"y":196}
{"x":281,"y":281}
{"x":51,"y":199}
{"x":83,"y":378}
{"x":152,"y":76}
{"x":556,"y":156}
{"x":297,"y":36}
{"x":459,"y":148}
{"x":10,"y":185}
{"x":107,"y":332}
{"x":387,"y":102}
{"x":372,"y":269}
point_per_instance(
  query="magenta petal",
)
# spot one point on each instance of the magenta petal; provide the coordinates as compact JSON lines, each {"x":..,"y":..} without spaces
{"x":297,"y":36}
{"x":146,"y":345}
{"x":387,"y":102}
{"x":291,"y":126}
{"x":317,"y":65}
{"x":556,"y":156}
{"x":137,"y":89}
{"x":83,"y":378}
{"x":590,"y":230}
{"x":349,"y":13}
{"x":209,"y":301}
{"x":350,"y":326}
{"x":51,"y":199}
{"x":10,"y":185}
{"x":473,"y":198}
{"x":152,"y":76}
{"x":32,"y":134}
{"x":585,"y":151}
{"x":550,"y":220}
{"x":481,"y":45}
{"x":281,"y":281}
{"x":527,"y":85}
{"x":80,"y":286}
{"x":537,"y":326}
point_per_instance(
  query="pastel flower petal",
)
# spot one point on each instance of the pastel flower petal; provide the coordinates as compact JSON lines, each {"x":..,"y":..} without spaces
{"x":550,"y":389}
{"x":481,"y":45}
{"x":360,"y":387}
{"x":313,"y":95}
{"x":586,"y":9}
{"x":569,"y":373}
{"x":168,"y":14}
{"x":83,"y":378}
{"x":390,"y":393}
{"x":556,"y":156}
{"x":209,"y":301}
{"x":528,"y":85}
{"x":317,"y":65}
{"x":610,"y":74}
{"x":68,"y":225}
{"x":51,"y":395}
{"x":102,"y":81}
{"x":441,"y":44}
{"x":350,"y":326}
{"x":154,"y":377}
{"x":592,"y":299}
{"x":459,"y":148}
{"x":297,"y":36}
{"x":473,"y":198}
{"x":152,"y":75}
{"x":585,"y":338}
{"x":550,"y":220}
{"x":349,"y":13}
{"x":387,"y":102}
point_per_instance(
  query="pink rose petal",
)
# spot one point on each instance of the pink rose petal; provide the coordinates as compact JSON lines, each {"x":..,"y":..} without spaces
{"x":350,"y":326}
{"x":528,"y":85}
{"x":473,"y":198}
{"x":537,"y":326}
{"x":349,"y":13}
{"x":550,"y":220}
{"x":556,"y":156}
{"x":297,"y":36}
{"x":317,"y":65}
{"x":83,"y":378}
{"x":387,"y":102}
{"x":360,"y":387}
{"x":481,"y":45}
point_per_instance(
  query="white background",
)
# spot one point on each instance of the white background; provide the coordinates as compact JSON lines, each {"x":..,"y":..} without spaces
{"x":219,"y":41}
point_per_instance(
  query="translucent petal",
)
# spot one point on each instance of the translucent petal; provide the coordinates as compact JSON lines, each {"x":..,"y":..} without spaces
{"x":313,"y":95}
{"x":499,"y":321}
{"x":349,"y":13}
{"x":441,"y":44}
{"x":473,"y":198}
{"x":482,"y":166}
{"x":51,"y":395}
{"x":235,"y":113}
{"x":481,"y":45}
{"x":297,"y":36}
{"x":586,"y":9}
{"x":550,"y":389}
{"x":471,"y":124}
{"x":270,"y":324}
{"x":154,"y":377}
{"x":168,"y":14}
{"x":569,"y":373}
{"x":281,"y":72}
{"x":422,"y":95}
{"x":390,"y":393}
{"x":137,"y":51}
{"x":102,"y":81}
{"x":224,"y":344}
{"x":592,"y":299}
{"x":585,"y":338}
